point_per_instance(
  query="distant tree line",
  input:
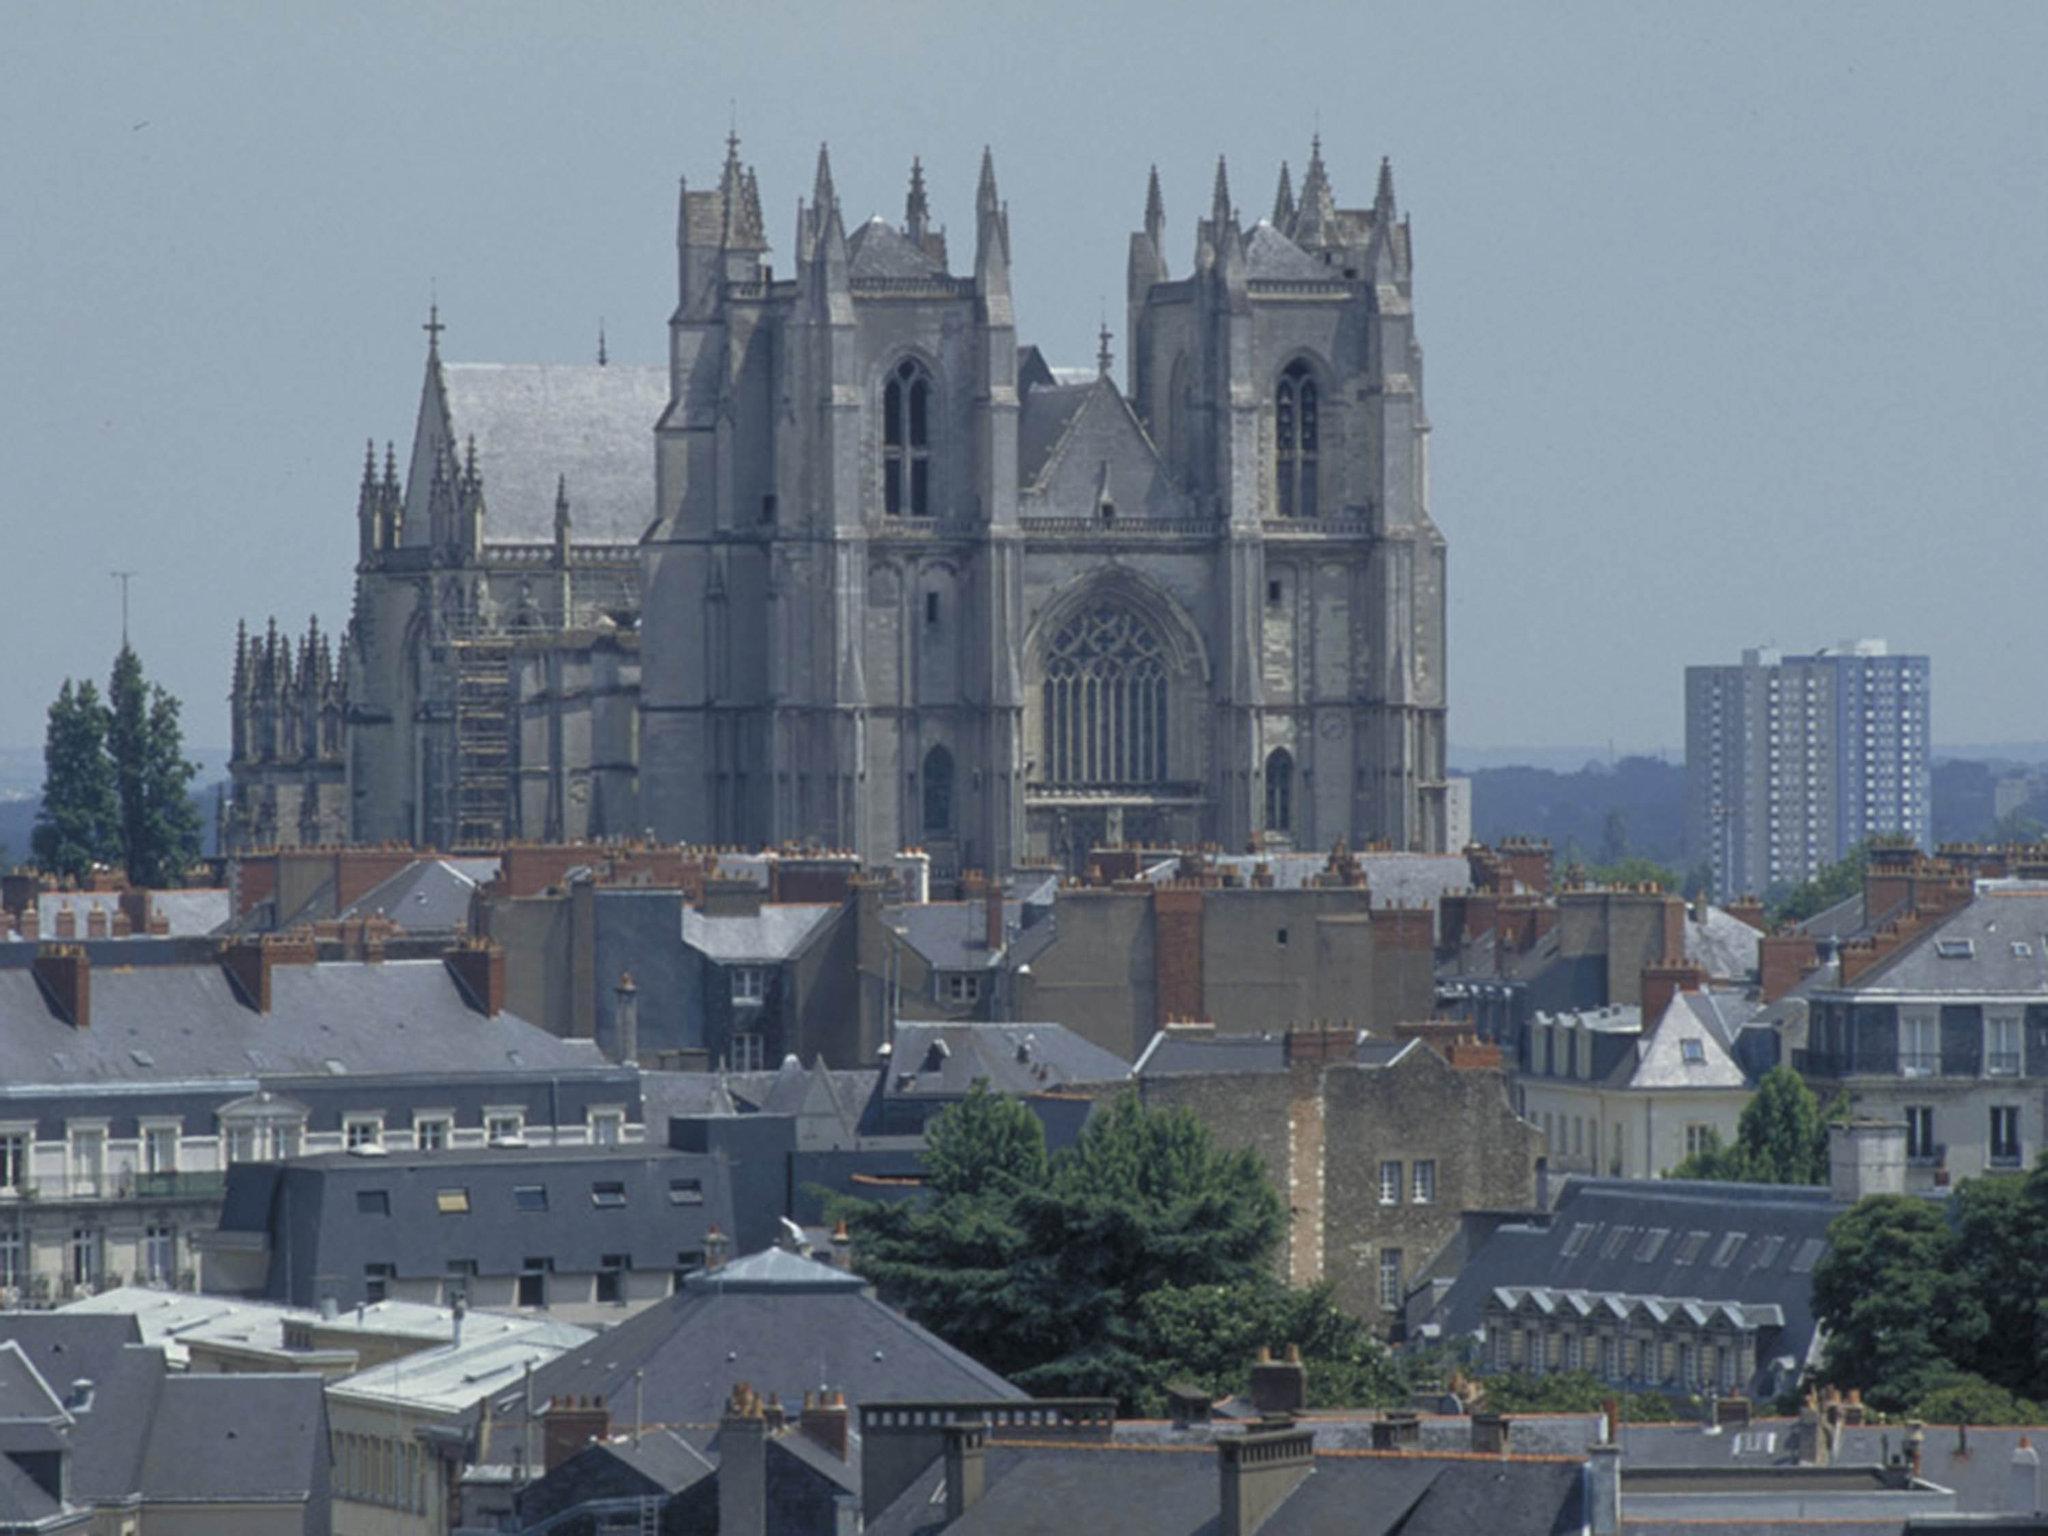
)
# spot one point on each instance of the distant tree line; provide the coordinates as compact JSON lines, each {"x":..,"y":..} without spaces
{"x":116,"y":782}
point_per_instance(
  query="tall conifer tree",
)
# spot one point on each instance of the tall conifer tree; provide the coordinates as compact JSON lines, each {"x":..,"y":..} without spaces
{"x":79,"y":824}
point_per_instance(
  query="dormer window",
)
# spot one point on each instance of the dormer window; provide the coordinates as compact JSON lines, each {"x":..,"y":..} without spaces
{"x":1297,"y":438}
{"x":906,"y":441}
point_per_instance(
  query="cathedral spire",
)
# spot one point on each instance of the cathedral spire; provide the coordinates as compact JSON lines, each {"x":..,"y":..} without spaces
{"x":1219,"y":205}
{"x":602,"y":358}
{"x":1315,"y":218}
{"x":1383,"y":198}
{"x":917,"y":209}
{"x":985,"y":203}
{"x":434,"y":328}
{"x":822,"y":193}
{"x":1155,"y":211}
{"x":1283,"y":201}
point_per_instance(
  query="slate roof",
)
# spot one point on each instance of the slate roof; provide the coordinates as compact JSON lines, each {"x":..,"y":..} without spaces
{"x":769,"y":936}
{"x":1042,"y":421}
{"x":427,"y":896}
{"x":187,"y":912}
{"x":947,"y":1059}
{"x":1174,"y":1054}
{"x":1052,"y":1490}
{"x":1270,"y":254}
{"x":534,"y":422}
{"x":949,"y":934}
{"x":1603,"y":1240}
{"x":404,"y":1018}
{"x":781,"y":1323}
{"x":240,"y":1436}
{"x":879,"y":249}
{"x":1723,"y":946}
{"x":2005,"y":929}
{"x":1660,"y":1061}
{"x":225,"y":1438}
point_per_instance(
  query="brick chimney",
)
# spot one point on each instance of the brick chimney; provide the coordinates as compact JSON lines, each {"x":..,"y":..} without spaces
{"x":65,"y":974}
{"x":1783,"y":960}
{"x":1491,"y":1434}
{"x":1747,"y":909}
{"x":1177,"y":951}
{"x":1661,"y":983}
{"x":1279,"y":1386}
{"x":478,"y":966}
{"x":992,"y":915}
{"x":250,"y":961}
{"x":1319,"y":1043}
{"x":1256,"y":1471}
{"x":826,"y":1421}
{"x":96,"y":924}
{"x":67,"y":922}
{"x":568,"y":1424}
{"x":731,"y":898}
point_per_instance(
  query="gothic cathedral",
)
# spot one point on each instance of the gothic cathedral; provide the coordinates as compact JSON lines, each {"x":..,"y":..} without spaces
{"x":902,"y":583}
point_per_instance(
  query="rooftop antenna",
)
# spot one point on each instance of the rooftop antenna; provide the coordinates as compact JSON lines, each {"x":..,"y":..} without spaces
{"x":601,"y":358}
{"x":123,"y":577}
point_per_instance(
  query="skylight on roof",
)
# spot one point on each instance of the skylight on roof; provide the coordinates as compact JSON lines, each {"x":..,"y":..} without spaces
{"x":1808,"y":1255}
{"x":1767,"y":1252}
{"x":1617,"y":1240}
{"x":1576,"y":1239}
{"x":1652,"y":1244}
{"x":1693,"y":1052}
{"x":1955,"y":949}
{"x":1689,"y":1247}
{"x":1730,"y":1246}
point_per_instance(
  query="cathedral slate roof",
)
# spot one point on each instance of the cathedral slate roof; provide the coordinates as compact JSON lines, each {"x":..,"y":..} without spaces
{"x":1271,"y":255}
{"x":879,"y":249}
{"x":1047,"y":412}
{"x":589,"y":424}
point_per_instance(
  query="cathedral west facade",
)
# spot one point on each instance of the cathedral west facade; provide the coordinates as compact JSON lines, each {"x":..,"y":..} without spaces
{"x":856,"y":567}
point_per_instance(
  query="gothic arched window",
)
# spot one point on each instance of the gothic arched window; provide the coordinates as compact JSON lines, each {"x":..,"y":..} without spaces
{"x":1296,"y":437}
{"x":907,"y":441}
{"x":1105,"y":701}
{"x":1279,"y":790}
{"x":938,"y":791}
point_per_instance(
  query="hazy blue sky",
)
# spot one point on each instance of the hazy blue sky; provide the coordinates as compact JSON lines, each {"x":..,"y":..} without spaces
{"x":1734,"y":313}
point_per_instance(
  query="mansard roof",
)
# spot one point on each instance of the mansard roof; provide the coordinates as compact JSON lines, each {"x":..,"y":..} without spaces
{"x":539,"y":425}
{"x":879,"y":249}
{"x":1997,"y":946}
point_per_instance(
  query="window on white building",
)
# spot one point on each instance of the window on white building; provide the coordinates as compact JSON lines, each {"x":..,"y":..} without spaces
{"x":749,"y":984}
{"x":159,"y":1255}
{"x":362,"y":1131}
{"x":13,"y":1260}
{"x":2005,"y":1135}
{"x":431,"y":1132}
{"x":504,"y":1125}
{"x":747,"y":1052}
{"x":160,"y":1149}
{"x":88,"y":1159}
{"x":607,"y":1127}
{"x":88,"y":1255}
{"x":1390,"y":1183}
{"x":15,"y":1150}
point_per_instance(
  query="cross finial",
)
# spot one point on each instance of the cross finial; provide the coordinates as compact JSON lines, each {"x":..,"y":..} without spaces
{"x":434,"y":327}
{"x":1104,"y":358}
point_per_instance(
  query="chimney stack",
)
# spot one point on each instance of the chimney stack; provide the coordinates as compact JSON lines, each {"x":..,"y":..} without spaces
{"x":826,"y":1421}
{"x":1866,"y":1157}
{"x":993,"y":915}
{"x":1603,"y":1488}
{"x":569,"y":1424}
{"x":626,"y":1020}
{"x":2025,"y":1495}
{"x":250,"y":961}
{"x":1491,"y":1434}
{"x":1662,"y":983}
{"x":478,"y":967}
{"x":1256,"y":1471}
{"x":65,"y":974}
{"x":1279,"y":1386}
{"x":966,"y":1467}
{"x":743,"y":1465}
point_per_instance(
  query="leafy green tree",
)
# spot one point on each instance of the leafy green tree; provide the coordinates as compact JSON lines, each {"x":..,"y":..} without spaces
{"x":1578,"y":1392}
{"x":1208,"y":1334}
{"x":1963,"y":1398}
{"x":2001,"y":1225}
{"x":1634,"y":871}
{"x":1886,"y":1292}
{"x":78,"y":825}
{"x":1782,"y":1137}
{"x":1056,"y":1272}
{"x":159,"y":825}
{"x":1837,"y":882}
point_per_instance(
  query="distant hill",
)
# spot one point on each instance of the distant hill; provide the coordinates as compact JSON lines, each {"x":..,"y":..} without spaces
{"x":1573,"y":809}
